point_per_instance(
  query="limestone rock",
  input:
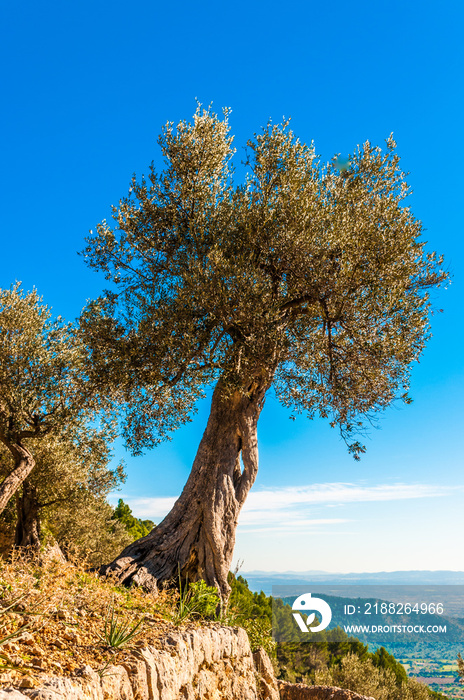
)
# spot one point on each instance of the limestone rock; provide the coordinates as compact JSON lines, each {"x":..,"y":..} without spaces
{"x":115,"y":684}
{"x":200,"y":664}
{"x":136,"y":670}
{"x":213,"y":663}
{"x":53,"y":552}
{"x":266,"y":679}
{"x":26,"y":682}
{"x":86,"y":687}
{"x":12,"y":694}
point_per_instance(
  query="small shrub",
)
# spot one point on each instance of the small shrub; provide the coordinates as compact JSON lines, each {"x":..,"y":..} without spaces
{"x":196,"y":601}
{"x":260,"y":634}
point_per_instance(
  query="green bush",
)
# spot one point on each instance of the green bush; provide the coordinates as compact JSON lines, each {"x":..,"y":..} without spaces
{"x":196,"y":600}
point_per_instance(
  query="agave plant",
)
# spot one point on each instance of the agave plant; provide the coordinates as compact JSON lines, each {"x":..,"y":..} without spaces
{"x":117,"y":631}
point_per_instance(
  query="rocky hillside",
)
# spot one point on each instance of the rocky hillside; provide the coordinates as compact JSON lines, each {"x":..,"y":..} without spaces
{"x":202,"y":664}
{"x":66,"y":633}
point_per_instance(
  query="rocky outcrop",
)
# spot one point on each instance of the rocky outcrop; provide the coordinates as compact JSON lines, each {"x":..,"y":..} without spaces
{"x":202,"y":664}
{"x":265,"y":678}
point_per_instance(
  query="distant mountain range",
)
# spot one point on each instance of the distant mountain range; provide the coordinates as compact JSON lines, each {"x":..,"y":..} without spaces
{"x":264,"y":580}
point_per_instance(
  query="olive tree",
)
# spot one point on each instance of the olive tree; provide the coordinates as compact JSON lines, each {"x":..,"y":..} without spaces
{"x":45,"y":395}
{"x":68,"y":485}
{"x":306,"y":278}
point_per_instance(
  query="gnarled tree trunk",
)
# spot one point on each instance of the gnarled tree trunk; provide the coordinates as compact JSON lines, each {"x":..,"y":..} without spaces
{"x":28,"y":523}
{"x":24,"y":463}
{"x":196,"y":539}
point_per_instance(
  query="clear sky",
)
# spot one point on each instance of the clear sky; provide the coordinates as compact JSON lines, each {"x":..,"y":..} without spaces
{"x":85,"y":89}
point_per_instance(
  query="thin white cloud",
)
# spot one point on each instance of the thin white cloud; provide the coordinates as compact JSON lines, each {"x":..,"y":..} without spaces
{"x":287,"y":509}
{"x":295,"y":524}
{"x":341,"y":494}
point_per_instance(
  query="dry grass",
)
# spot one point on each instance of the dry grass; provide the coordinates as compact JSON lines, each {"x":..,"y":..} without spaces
{"x":57,"y":610}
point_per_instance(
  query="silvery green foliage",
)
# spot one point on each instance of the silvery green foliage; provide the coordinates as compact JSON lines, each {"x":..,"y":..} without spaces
{"x":47,"y":401}
{"x":72,"y":477}
{"x":313,"y":273}
{"x":44,"y":388}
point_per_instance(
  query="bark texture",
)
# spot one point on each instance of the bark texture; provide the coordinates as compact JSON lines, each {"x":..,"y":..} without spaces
{"x":196,"y":539}
{"x":24,"y":463}
{"x":28,"y":523}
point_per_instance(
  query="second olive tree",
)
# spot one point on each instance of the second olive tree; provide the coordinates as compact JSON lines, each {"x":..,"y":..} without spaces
{"x":47,"y":407}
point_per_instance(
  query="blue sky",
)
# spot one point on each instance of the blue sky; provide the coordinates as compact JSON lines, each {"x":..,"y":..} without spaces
{"x":86,"y":88}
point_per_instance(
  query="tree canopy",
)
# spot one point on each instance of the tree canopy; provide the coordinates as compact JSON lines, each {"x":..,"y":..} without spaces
{"x":311,"y":279}
{"x":63,"y":499}
{"x":313,"y":273}
{"x":45,"y":395}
